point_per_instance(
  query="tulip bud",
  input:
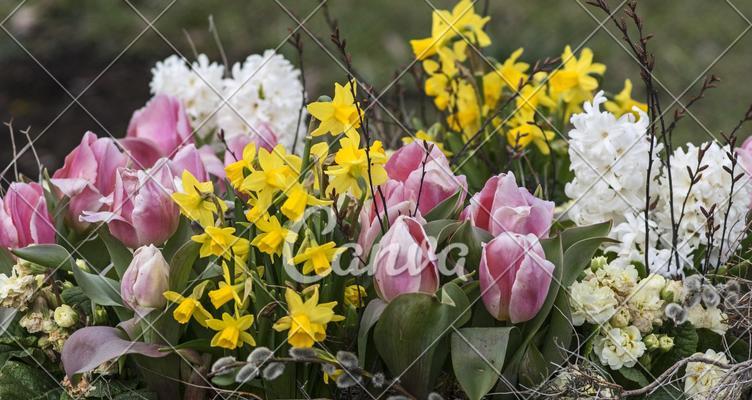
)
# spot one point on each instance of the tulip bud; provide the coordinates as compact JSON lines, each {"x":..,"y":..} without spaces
{"x":65,"y":316}
{"x":145,"y":280}
{"x":24,"y":218}
{"x":514,"y":276}
{"x":163,"y":122}
{"x":405,"y":261}
{"x":666,"y":343}
{"x":651,"y":341}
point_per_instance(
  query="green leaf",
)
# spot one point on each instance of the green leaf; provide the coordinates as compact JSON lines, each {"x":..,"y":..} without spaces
{"x":119,"y":254}
{"x":18,"y":381}
{"x":371,"y":315}
{"x":181,"y":265}
{"x":439,"y":228}
{"x":573,"y":235}
{"x":577,"y":257}
{"x":447,"y":209}
{"x":478,"y":358}
{"x":6,"y":261}
{"x":533,"y":368}
{"x":453,"y":295}
{"x":101,"y":290}
{"x":411,"y":338}
{"x":181,"y":236}
{"x":473,"y":238}
{"x":47,"y":255}
{"x":634,"y":375}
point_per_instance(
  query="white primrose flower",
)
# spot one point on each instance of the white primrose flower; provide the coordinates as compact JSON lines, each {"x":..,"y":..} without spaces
{"x":645,"y":303}
{"x":592,"y":302}
{"x":621,"y":278}
{"x":609,"y":154}
{"x":619,"y":347}
{"x":264,"y":89}
{"x":710,"y":318}
{"x":701,"y":378}
{"x":198,"y":86}
{"x":17,"y":289}
{"x":713,"y":188}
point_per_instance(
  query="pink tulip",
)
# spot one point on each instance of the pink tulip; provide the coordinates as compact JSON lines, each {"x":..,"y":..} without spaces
{"x":142,"y":211}
{"x":87,"y":175}
{"x":433,"y":183}
{"x":264,"y":138}
{"x":503,"y":207}
{"x":396,"y":205}
{"x":145,"y":280}
{"x":189,"y":159}
{"x":514,"y":277}
{"x":164,"y":122}
{"x":406,"y":261}
{"x":24,"y":218}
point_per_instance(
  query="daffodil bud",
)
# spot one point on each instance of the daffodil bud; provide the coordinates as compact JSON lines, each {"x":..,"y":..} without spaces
{"x":65,"y":316}
{"x":666,"y":343}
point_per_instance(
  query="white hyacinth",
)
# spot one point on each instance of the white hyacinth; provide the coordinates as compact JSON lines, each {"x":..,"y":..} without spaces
{"x":611,"y":155}
{"x":712,"y":188}
{"x":198,"y":86}
{"x":264,"y":89}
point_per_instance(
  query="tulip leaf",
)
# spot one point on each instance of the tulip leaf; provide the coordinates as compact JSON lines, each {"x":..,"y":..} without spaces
{"x":371,"y":315}
{"x":101,"y":290}
{"x":573,"y":235}
{"x":181,"y":265}
{"x":6,"y":261}
{"x":447,"y":209}
{"x":478,"y":358}
{"x":181,"y":236}
{"x":437,"y":229}
{"x":411,"y":337}
{"x":453,"y":295}
{"x":47,"y":255}
{"x":473,"y":238}
{"x":119,"y":254}
{"x":577,"y":257}
{"x":534,"y":367}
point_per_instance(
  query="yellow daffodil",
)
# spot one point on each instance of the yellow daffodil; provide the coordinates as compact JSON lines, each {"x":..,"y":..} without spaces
{"x":225,"y":292}
{"x":574,"y":82}
{"x":533,"y":96}
{"x":467,"y":111}
{"x":277,"y":171}
{"x":197,"y":201}
{"x":272,"y":237}
{"x":355,"y":296}
{"x":333,"y":377}
{"x":318,"y":258}
{"x":423,"y":135}
{"x":297,"y":200}
{"x":236,"y":171}
{"x":319,"y":153}
{"x":442,"y":75}
{"x":339,"y":115}
{"x":189,"y":306}
{"x":524,"y":131}
{"x":445,"y":26}
{"x":351,"y":166}
{"x":509,"y":74}
{"x":306,"y":321}
{"x":624,"y":103}
{"x":231,"y":331}
{"x":221,"y":242}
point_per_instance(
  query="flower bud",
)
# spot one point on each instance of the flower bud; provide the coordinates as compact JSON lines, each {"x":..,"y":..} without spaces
{"x":666,"y":342}
{"x":65,"y":316}
{"x":598,"y":262}
{"x":651,"y":341}
{"x":672,"y":292}
{"x":146,"y":278}
{"x":620,"y":318}
{"x":100,"y":315}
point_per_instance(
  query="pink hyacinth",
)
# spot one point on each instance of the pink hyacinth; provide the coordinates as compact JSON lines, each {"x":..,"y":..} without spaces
{"x":503,"y":207}
{"x":24,"y":218}
{"x":406,"y":261}
{"x":142,"y":211}
{"x":87,"y":176}
{"x":514,"y":277}
{"x":425,"y":175}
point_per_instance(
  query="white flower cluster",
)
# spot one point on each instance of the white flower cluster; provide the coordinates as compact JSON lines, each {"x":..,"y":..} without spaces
{"x":17,"y":289}
{"x":609,"y":161}
{"x":198,"y":85}
{"x":619,"y":347}
{"x":264,"y":89}
{"x":713,"y":188}
{"x":701,"y":379}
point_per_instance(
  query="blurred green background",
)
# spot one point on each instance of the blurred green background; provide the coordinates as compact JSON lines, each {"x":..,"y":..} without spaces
{"x":104,"y":49}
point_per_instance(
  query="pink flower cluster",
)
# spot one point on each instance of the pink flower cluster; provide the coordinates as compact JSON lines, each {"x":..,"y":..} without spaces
{"x":514,"y":274}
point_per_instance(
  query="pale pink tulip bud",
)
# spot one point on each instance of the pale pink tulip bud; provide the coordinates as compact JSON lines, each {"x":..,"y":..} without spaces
{"x":24,"y":218}
{"x":425,"y":174}
{"x":189,"y":159}
{"x":164,"y":122}
{"x":262,"y":135}
{"x":142,"y":211}
{"x":145,"y":280}
{"x":406,"y":261}
{"x":503,"y":207}
{"x":514,"y":277}
{"x":87,"y":175}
